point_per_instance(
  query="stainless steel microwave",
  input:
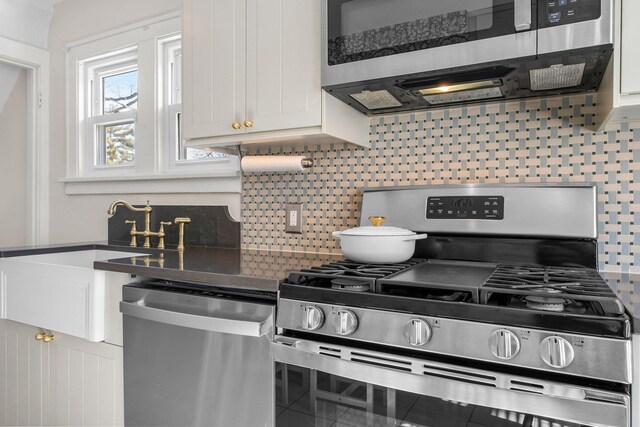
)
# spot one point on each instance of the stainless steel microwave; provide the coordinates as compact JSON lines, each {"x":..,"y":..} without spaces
{"x":383,"y":56}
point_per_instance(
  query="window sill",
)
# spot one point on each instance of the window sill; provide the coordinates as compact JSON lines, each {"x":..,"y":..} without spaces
{"x":224,"y":182}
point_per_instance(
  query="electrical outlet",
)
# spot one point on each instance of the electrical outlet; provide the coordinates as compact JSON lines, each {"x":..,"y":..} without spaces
{"x":293,"y":218}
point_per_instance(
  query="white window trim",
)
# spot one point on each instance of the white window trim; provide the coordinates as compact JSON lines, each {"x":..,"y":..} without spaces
{"x":153,"y":172}
{"x":166,"y":82}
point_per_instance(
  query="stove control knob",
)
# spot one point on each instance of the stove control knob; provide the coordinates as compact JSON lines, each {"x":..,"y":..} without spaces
{"x":556,"y":352}
{"x":504,"y":344}
{"x":345,"y":322}
{"x":312,"y":318}
{"x":417,"y":332}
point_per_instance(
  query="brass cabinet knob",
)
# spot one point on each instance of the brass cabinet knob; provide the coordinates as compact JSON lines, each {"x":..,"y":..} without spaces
{"x":376,"y":221}
{"x":248,"y":123}
{"x":40,"y":336}
{"x":236,"y":125}
{"x":48,"y":338}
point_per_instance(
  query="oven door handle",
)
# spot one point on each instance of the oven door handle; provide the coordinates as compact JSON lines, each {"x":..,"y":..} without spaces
{"x":245,"y":327}
{"x":458,"y":383}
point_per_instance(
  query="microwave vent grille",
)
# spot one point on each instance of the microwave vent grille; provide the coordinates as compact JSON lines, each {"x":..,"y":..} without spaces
{"x":556,"y":76}
{"x":376,"y":100}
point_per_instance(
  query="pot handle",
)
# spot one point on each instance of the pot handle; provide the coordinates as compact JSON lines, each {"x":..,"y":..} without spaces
{"x":415,"y":237}
{"x":337,"y":234}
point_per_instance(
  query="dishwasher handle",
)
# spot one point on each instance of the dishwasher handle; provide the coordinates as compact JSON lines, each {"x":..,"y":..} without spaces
{"x":249,"y":328}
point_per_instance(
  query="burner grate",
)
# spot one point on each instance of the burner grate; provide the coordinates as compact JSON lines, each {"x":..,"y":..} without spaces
{"x":542,"y":279}
{"x":350,"y":268}
{"x":356,"y":276}
{"x":579,"y":287}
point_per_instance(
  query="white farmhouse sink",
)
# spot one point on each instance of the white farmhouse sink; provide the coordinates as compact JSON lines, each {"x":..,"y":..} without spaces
{"x":57,"y":291}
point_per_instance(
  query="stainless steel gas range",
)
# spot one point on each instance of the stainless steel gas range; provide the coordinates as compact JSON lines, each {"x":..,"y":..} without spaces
{"x":501,"y":319}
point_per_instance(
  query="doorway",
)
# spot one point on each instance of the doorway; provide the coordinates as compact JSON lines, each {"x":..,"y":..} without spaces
{"x":13,"y":161}
{"x":24,"y":140}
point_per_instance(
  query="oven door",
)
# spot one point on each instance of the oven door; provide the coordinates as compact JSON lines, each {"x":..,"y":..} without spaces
{"x":323,"y":384}
{"x":370,"y":39}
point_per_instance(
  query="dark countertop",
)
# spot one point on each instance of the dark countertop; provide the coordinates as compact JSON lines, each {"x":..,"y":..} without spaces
{"x":66,"y":247}
{"x":244,"y":269}
{"x":236,"y":268}
{"x":255,"y":270}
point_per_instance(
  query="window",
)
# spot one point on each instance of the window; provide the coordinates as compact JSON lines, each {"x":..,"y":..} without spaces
{"x":124,"y":108}
{"x":112,"y":90}
{"x":179,"y":156}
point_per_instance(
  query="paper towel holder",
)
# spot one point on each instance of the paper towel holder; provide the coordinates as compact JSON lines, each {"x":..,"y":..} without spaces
{"x":306,"y":163}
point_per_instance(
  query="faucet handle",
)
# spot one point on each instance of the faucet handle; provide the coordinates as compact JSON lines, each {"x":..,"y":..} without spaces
{"x":161,"y":234}
{"x":134,"y":230}
{"x":180,"y":222}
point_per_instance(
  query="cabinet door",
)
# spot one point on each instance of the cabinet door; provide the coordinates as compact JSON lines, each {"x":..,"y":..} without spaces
{"x":283,"y":64}
{"x":630,"y":52}
{"x":87,"y":383}
{"x":213,"y":55}
{"x":24,"y":376}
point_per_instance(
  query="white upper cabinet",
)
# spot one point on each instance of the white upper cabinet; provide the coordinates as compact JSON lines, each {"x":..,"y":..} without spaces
{"x":251,"y":74}
{"x":214,"y":66}
{"x":283,"y":73}
{"x":630,"y":49}
{"x":619,"y":94}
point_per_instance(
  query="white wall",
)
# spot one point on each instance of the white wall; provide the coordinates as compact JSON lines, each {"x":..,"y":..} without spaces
{"x":26,"y":21}
{"x":13,"y":145}
{"x":8,"y":76}
{"x":84,"y":218}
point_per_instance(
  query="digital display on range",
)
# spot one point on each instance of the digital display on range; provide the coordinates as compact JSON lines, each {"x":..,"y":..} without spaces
{"x":466,"y":207}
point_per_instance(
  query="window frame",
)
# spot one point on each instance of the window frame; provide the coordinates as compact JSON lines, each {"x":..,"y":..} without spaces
{"x":152,"y":168}
{"x":96,"y":70}
{"x":170,"y":89}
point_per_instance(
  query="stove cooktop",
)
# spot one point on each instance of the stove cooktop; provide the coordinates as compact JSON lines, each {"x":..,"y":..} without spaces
{"x":568,"y":299}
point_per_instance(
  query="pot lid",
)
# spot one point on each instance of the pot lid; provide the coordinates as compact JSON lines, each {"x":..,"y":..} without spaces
{"x":377,"y":231}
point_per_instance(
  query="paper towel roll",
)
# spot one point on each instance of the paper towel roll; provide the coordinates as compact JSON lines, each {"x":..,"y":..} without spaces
{"x":275,"y":163}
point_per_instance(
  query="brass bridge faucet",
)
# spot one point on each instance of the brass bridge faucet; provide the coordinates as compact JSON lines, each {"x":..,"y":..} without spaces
{"x":147,"y":233}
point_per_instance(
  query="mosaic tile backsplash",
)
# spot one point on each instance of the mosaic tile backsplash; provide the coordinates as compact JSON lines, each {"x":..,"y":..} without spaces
{"x":539,"y":140}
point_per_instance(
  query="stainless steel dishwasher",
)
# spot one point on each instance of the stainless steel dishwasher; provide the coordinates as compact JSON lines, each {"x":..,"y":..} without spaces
{"x":194,"y":356}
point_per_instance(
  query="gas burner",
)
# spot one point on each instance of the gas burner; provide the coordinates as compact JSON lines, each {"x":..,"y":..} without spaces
{"x":349,"y":285}
{"x":545,"y":303}
{"x":350,"y":268}
{"x":360,"y":270}
{"x":534,"y":278}
{"x":571,"y":290}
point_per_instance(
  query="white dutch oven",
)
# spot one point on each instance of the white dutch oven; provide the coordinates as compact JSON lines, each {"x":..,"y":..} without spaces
{"x":376,"y":244}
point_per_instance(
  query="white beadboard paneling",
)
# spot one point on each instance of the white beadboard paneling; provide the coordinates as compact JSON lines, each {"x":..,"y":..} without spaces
{"x":89,"y":386}
{"x":23,"y":375}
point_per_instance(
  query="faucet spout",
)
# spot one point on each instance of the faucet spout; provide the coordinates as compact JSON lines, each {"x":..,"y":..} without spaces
{"x":112,"y":208}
